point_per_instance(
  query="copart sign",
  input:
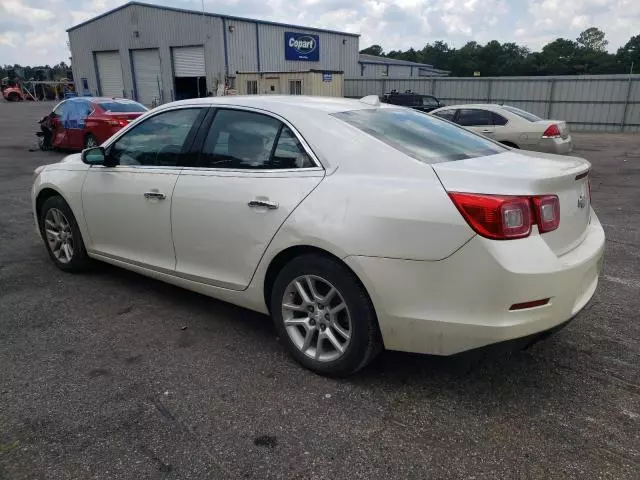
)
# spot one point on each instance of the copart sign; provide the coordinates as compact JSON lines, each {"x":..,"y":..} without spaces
{"x":301,"y":46}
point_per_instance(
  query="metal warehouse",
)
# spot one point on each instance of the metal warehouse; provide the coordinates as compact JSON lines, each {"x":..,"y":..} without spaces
{"x":157,"y":54}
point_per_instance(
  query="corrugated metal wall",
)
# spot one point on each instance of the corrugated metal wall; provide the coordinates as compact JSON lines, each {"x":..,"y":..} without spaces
{"x":337,"y":52}
{"x":139,"y":26}
{"x":607,"y":103}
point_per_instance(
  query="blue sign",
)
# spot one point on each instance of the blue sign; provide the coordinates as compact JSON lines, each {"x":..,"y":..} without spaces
{"x":327,"y":76}
{"x":301,"y":46}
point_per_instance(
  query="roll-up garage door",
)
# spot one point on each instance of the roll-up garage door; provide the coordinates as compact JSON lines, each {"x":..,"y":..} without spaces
{"x":110,"y":74}
{"x":188,"y":62}
{"x":146,"y":71}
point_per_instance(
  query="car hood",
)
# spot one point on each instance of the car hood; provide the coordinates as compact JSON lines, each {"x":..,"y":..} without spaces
{"x":73,"y":158}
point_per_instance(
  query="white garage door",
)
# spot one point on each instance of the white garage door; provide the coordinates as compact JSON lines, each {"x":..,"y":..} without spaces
{"x":146,"y":71}
{"x":188,"y":62}
{"x":110,"y":74}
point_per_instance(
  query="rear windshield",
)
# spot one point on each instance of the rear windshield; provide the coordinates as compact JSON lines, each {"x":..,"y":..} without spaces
{"x":420,"y":136}
{"x":122,"y":107}
{"x":522,"y":113}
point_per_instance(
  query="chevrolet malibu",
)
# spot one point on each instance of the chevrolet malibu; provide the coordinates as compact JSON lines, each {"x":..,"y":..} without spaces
{"x":356,"y":225}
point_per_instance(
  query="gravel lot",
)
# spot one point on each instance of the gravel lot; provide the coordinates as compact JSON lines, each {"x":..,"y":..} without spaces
{"x":99,"y":378}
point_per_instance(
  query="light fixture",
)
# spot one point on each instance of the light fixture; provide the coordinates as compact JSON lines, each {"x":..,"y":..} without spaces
{"x":232,"y":28}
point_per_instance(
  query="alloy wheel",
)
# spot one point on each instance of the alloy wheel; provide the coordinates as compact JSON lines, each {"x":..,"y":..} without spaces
{"x":59,"y":235}
{"x":316,"y":318}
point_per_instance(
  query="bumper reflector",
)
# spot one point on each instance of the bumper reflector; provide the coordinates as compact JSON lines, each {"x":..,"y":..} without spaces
{"x":534,"y":303}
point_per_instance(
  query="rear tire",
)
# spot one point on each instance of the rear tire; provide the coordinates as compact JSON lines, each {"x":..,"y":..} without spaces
{"x":331,"y":327}
{"x":13,"y":97}
{"x":90,"y":141}
{"x":62,"y":237}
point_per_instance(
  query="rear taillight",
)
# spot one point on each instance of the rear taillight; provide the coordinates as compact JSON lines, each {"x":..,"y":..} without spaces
{"x":547,"y":210}
{"x":552,"y":131}
{"x":117,"y":122}
{"x":502,"y":217}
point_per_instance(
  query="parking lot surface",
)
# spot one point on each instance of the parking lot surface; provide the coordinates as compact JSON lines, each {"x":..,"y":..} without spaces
{"x":110,"y":375}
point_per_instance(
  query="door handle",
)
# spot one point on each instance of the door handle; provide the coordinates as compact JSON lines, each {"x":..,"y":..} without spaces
{"x":158,"y":195}
{"x":263,"y":203}
{"x":486,"y":130}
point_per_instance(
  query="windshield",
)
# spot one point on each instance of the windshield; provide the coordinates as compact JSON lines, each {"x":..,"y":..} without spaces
{"x":119,"y":106}
{"x":522,"y":113}
{"x":420,"y":136}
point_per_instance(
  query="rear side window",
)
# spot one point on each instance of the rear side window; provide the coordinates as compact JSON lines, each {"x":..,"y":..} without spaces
{"x":473,"y":117}
{"x":498,"y":119}
{"x":246,"y":140}
{"x":420,"y":136}
{"x":121,"y":106}
{"x":446,"y":114}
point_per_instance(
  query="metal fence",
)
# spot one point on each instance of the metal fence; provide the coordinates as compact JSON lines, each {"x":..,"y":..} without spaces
{"x":605,"y":103}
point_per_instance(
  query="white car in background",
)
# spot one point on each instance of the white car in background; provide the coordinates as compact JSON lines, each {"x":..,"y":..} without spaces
{"x":511,"y":126}
{"x":356,"y":225}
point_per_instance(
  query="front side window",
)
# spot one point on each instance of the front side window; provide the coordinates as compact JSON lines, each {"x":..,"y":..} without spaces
{"x":242,"y":140}
{"x":295,"y":87}
{"x":157,"y":141}
{"x":423,"y":137}
{"x":473,"y":117}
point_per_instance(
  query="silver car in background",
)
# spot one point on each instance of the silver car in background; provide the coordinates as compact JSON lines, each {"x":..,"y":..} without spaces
{"x":511,"y":126}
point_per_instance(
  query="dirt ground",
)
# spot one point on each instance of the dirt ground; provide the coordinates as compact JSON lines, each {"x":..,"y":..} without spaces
{"x":100,"y":379}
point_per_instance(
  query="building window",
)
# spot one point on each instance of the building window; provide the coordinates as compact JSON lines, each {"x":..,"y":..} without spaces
{"x":295,"y":87}
{"x":252,"y":87}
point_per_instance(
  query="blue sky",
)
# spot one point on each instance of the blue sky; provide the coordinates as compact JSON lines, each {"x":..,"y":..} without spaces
{"x":33,"y":31}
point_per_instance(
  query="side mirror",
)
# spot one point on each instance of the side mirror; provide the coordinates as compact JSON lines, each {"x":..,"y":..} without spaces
{"x":94,"y":156}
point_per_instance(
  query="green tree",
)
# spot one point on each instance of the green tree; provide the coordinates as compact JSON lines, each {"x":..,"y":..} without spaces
{"x":373,"y":50}
{"x":630,"y":54}
{"x":593,"y":39}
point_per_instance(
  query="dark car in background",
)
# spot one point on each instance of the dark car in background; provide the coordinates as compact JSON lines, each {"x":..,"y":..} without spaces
{"x":423,"y":103}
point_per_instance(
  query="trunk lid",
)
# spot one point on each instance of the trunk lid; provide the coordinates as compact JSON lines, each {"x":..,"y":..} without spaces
{"x":562,"y":126}
{"x":128,"y":116}
{"x":528,"y":174}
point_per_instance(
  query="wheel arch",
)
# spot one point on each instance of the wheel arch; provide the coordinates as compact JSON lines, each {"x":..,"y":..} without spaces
{"x":279,"y":261}
{"x":44,"y":195}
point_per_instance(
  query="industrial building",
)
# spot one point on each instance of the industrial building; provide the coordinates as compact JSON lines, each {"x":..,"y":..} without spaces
{"x":156,"y":54}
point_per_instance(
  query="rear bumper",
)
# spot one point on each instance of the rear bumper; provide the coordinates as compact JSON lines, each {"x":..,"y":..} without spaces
{"x":462,"y":302}
{"x":560,"y":146}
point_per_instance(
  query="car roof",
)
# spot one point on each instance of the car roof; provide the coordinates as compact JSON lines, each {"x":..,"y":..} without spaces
{"x":98,"y":99}
{"x":281,"y":104}
{"x":486,"y":106}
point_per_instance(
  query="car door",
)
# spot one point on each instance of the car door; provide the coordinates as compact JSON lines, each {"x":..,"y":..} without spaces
{"x":253,"y":172}
{"x":58,"y":131}
{"x":477,"y":120}
{"x":127,"y":207}
{"x":75,"y":115}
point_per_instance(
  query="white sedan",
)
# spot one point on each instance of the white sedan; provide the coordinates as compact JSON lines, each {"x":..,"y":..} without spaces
{"x":511,"y":126}
{"x":357,"y":226}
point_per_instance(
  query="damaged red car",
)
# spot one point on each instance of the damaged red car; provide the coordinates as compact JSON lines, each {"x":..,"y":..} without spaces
{"x":84,"y":122}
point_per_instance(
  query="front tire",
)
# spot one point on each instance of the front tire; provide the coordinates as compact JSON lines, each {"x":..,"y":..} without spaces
{"x":324,"y":315}
{"x":62,"y":237}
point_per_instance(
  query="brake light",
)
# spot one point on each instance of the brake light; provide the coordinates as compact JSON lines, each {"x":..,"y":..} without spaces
{"x":494,"y":216}
{"x":552,"y":131}
{"x":117,"y":122}
{"x":547,"y":210}
{"x":500,"y":217}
